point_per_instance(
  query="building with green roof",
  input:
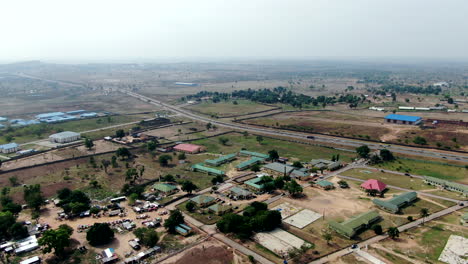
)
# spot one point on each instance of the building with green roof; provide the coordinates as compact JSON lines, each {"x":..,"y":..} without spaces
{"x":201,"y":168}
{"x":165,"y":188}
{"x":219,"y":209}
{"x":240,"y":193}
{"x":254,"y":154}
{"x":221,"y":160}
{"x":203,"y":200}
{"x":355,"y":224}
{"x":397,"y":202}
{"x":326,"y":185}
{"x":255,"y":184}
{"x":448,"y":185}
{"x":249,"y":163}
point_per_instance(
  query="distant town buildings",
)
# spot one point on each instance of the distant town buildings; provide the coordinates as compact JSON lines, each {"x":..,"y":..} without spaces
{"x":9,"y":148}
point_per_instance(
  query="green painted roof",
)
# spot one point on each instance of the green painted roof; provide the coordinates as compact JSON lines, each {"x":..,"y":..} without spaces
{"x":219,"y":208}
{"x":254,"y":183}
{"x":324,"y":183}
{"x":202,"y":199}
{"x":249,"y":162}
{"x":221,"y":160}
{"x":352,"y":225}
{"x":397,"y":201}
{"x":164,"y":187}
{"x":255,"y":154}
{"x":462,"y":187}
{"x":200,"y":167}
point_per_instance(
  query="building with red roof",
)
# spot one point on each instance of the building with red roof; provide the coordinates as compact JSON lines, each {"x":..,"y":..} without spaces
{"x":188,"y":148}
{"x":372,"y":184}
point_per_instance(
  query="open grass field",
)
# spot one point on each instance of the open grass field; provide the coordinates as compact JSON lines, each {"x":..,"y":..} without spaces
{"x":229,"y":108}
{"x":424,"y":168}
{"x":424,"y":243}
{"x":302,"y":152}
{"x":201,"y":214}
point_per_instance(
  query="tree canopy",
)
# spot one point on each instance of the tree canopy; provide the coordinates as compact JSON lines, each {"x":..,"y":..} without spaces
{"x":175,"y":218}
{"x":148,"y":237}
{"x":99,"y":234}
{"x":363,"y":151}
{"x":56,"y":239}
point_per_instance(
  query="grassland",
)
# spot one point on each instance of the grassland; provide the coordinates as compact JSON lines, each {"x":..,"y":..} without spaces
{"x":228,"y":108}
{"x":298,"y":151}
{"x":424,"y":168}
{"x":201,"y":214}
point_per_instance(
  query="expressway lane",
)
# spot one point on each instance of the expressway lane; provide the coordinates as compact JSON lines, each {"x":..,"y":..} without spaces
{"x":297,"y":135}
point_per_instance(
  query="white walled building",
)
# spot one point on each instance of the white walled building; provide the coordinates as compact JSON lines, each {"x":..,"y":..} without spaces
{"x":64,"y":137}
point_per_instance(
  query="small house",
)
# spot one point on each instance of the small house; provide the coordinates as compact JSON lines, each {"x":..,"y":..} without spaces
{"x":203,"y":200}
{"x":326,"y":185}
{"x":219,"y":209}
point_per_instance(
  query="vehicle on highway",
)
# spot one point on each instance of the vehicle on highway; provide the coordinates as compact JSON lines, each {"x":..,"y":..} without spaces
{"x":310,"y":137}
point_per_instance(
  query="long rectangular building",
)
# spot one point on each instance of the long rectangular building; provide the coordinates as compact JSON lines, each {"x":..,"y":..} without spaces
{"x":253,"y":154}
{"x":201,"y":168}
{"x":221,"y":160}
{"x":397,"y":202}
{"x":403,"y":119}
{"x":355,"y":224}
{"x":448,"y":185}
{"x":249,"y":163}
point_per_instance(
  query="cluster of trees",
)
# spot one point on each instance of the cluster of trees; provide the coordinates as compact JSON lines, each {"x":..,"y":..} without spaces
{"x":278,"y":95}
{"x":56,"y":239}
{"x":384,"y":155}
{"x":399,"y":88}
{"x":9,"y":228}
{"x":32,"y":194}
{"x":147,"y":236}
{"x":73,"y":202}
{"x":256,"y":218}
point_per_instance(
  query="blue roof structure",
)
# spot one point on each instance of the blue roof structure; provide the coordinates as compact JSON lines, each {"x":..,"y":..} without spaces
{"x":403,"y":117}
{"x":3,"y":119}
{"x":49,"y":115}
{"x":9,"y":146}
{"x":75,"y":112}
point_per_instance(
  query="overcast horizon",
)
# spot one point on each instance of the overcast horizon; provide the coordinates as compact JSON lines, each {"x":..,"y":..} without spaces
{"x":146,"y":31}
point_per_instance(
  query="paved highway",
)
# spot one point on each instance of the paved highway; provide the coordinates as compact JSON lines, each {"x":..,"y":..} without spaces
{"x":296,"y":135}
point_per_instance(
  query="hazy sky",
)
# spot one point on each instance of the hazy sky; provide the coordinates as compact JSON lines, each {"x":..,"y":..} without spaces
{"x":83,"y":30}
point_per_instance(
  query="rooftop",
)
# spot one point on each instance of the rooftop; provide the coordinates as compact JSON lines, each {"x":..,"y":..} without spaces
{"x":324,"y":183}
{"x":403,"y":117}
{"x":397,"y":201}
{"x":219,"y":208}
{"x":65,"y":134}
{"x":255,"y":154}
{"x":221,"y":159}
{"x":9,"y":146}
{"x":202,"y":199}
{"x":240,"y":191}
{"x":188,"y":147}
{"x":48,"y":115}
{"x":279,"y":167}
{"x":207,"y":169}
{"x":373,"y":184}
{"x":164,"y":187}
{"x":249,"y":162}
{"x":254,"y":183}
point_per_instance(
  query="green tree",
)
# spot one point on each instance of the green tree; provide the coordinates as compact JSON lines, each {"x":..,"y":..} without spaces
{"x":293,"y":188}
{"x":190,"y":206}
{"x":420,"y":140}
{"x":327,"y":236}
{"x":182,"y":156}
{"x":120,"y":133}
{"x":386,"y":155}
{"x":259,"y":139}
{"x":279,"y":182}
{"x":99,"y":234}
{"x":114,"y":162}
{"x":168,"y":178}
{"x":33,"y":196}
{"x":89,"y":144}
{"x":123,"y":153}
{"x":393,"y":232}
{"x":7,"y":219}
{"x":223,"y":141}
{"x":424,"y":212}
{"x":297,"y":164}
{"x":18,"y":231}
{"x":188,"y":186}
{"x":13,"y":181}
{"x":377,"y":229}
{"x":131,"y":175}
{"x":56,"y":240}
{"x":255,"y":168}
{"x":105,"y":164}
{"x":164,"y":160}
{"x":152,"y":145}
{"x":273,"y":154}
{"x":363,"y":151}
{"x":148,"y":237}
{"x":175,"y":218}
{"x":209,"y":126}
